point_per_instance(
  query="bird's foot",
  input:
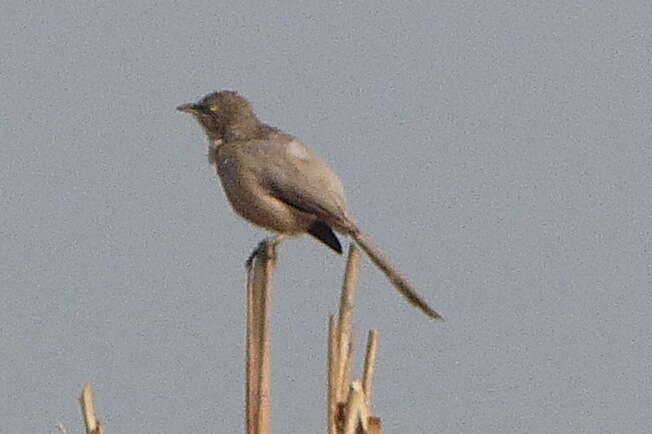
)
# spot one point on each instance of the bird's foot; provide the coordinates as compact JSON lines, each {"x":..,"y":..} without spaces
{"x":265,"y":249}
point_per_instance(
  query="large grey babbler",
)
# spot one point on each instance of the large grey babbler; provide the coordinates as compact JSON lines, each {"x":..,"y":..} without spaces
{"x":274,"y":181}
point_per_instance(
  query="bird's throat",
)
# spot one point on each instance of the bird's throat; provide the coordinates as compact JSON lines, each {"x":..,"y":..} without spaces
{"x":214,"y":146}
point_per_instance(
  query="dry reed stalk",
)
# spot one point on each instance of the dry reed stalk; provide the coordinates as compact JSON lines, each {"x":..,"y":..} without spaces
{"x":370,"y":364}
{"x":348,"y":409}
{"x":375,"y":426}
{"x":348,"y":366}
{"x":93,"y":425}
{"x":353,"y":410}
{"x":259,"y":284}
{"x":344,"y":320}
{"x":332,"y":369}
{"x":251,"y":361}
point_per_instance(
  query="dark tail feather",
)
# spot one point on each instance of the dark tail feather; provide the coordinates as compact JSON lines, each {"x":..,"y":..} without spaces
{"x":325,"y":234}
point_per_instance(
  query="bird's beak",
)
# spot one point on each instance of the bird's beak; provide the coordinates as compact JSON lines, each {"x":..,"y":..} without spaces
{"x":188,"y":108}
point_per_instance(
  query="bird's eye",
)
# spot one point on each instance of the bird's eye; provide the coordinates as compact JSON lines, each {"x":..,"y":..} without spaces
{"x":214,"y":107}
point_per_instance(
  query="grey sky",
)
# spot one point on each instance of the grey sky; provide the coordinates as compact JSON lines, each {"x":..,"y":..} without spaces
{"x":500,"y":154}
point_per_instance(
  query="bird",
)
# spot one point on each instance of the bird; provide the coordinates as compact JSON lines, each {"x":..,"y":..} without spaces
{"x":274,"y":181}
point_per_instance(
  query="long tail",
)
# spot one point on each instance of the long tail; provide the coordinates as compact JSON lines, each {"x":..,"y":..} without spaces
{"x":399,"y":282}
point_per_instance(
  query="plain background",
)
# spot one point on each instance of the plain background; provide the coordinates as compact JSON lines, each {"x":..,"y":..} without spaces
{"x":500,"y":152}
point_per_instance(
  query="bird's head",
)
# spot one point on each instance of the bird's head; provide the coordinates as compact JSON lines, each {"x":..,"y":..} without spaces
{"x":224,"y":115}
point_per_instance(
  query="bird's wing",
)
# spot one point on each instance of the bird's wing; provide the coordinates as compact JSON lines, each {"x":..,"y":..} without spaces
{"x":296,"y":176}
